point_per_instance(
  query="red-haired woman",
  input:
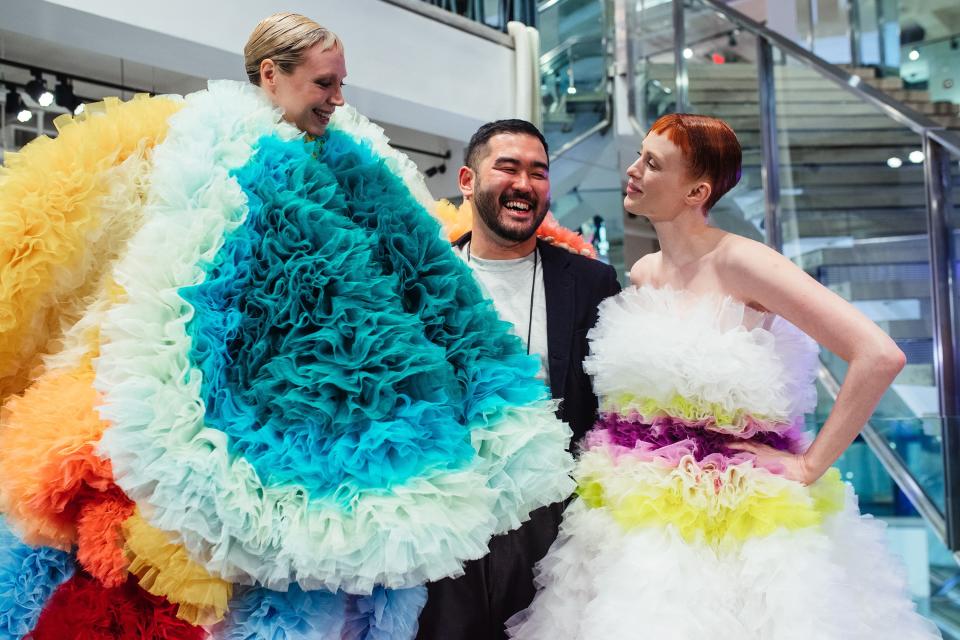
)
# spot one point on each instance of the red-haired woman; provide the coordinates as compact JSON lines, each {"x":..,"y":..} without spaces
{"x":704,"y":511}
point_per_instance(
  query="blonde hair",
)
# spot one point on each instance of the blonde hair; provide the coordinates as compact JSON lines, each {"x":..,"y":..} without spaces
{"x":284,"y":37}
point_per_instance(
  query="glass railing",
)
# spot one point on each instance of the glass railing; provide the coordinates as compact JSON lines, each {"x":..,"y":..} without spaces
{"x":856,"y":188}
{"x":917,"y":41}
{"x":574,"y":70}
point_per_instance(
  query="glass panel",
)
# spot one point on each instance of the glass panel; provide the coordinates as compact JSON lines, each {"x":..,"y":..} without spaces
{"x":654,"y":84}
{"x":931,"y":569}
{"x":853,"y":216}
{"x":722,"y":82}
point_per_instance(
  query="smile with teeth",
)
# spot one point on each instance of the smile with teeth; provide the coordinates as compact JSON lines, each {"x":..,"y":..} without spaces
{"x":517,"y":205}
{"x":322,"y":114}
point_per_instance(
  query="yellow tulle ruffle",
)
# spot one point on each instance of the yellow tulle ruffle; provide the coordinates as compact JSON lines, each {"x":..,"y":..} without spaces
{"x":50,"y":195}
{"x":164,"y":569}
{"x":705,"y":503}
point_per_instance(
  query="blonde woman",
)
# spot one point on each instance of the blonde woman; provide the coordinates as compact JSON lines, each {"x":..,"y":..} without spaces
{"x":300,"y":66}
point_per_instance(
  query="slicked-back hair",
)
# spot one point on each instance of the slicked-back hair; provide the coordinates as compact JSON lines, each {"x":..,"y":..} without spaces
{"x":478,"y":142}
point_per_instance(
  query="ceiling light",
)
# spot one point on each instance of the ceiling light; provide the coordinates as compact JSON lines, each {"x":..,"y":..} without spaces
{"x":914,"y":54}
{"x":63,"y":93}
{"x":37,"y":89}
{"x":688,"y":53}
{"x":24,"y":115}
{"x":894,"y":162}
{"x":916,"y":157}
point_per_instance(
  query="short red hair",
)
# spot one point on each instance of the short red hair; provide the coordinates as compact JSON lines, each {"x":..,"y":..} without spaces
{"x":710,"y":147}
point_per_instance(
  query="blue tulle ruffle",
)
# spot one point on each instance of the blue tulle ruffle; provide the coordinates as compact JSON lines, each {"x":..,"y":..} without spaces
{"x":309,"y":361}
{"x":386,"y":614}
{"x":262,"y":614}
{"x":28,"y":577}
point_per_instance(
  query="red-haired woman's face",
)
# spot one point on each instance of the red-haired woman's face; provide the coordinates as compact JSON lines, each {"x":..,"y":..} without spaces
{"x":658,"y":181}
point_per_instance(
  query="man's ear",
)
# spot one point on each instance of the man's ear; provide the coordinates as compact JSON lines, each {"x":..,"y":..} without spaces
{"x":699,"y":194}
{"x":466,"y":179}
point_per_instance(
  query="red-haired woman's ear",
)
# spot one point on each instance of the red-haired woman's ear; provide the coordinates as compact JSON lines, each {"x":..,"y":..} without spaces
{"x":699,"y":194}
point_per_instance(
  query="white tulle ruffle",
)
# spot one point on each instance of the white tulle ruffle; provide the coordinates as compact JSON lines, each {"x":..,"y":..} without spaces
{"x":835,"y":582}
{"x":713,"y":355}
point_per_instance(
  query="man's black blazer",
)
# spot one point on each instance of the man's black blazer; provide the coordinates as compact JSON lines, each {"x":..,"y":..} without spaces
{"x":574,"y":286}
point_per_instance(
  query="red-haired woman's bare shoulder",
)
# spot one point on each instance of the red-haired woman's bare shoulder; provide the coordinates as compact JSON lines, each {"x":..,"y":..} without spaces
{"x":644,"y":270}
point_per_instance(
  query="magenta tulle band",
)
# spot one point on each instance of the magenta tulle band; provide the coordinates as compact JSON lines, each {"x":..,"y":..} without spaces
{"x":665,"y":432}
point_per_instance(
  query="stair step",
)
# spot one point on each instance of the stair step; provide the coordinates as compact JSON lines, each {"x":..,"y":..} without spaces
{"x":893,"y":290}
{"x":794,"y":139}
{"x":890,"y":83}
{"x":843,"y":199}
{"x":813,"y":121}
{"x":662,"y":72}
{"x":866,"y":223}
{"x":836,"y":274}
{"x":861,"y":155}
{"x":899,"y":329}
{"x":913,"y":249}
{"x":793,"y":95}
{"x":807,"y":177}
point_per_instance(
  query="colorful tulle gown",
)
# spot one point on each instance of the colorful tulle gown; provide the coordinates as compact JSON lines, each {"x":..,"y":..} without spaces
{"x":246,"y":388}
{"x":676,"y":536}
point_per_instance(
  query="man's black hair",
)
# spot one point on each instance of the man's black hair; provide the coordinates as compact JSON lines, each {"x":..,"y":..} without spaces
{"x":479,"y":140}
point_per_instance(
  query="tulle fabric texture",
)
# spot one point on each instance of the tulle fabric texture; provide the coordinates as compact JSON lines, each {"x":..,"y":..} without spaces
{"x":691,"y":539}
{"x":241,"y":357}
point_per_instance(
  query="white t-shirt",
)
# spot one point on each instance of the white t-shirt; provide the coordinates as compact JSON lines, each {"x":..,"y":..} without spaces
{"x":508,"y":284}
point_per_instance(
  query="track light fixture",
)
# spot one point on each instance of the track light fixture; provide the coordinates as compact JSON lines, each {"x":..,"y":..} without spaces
{"x":15,"y":107}
{"x":63,"y":94}
{"x":37,"y":89}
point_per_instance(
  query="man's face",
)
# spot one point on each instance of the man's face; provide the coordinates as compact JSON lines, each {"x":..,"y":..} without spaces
{"x":511,"y":186}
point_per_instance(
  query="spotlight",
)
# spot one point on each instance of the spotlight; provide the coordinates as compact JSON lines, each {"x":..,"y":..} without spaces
{"x":916,"y":157}
{"x":13,"y":102}
{"x":24,"y":115}
{"x":79,"y":109}
{"x":63,"y":94}
{"x":688,"y":53}
{"x":37,"y":89}
{"x":894,"y":162}
{"x":914,"y":54}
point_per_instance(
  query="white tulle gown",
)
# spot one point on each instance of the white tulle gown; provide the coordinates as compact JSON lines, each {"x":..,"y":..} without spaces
{"x":676,"y":536}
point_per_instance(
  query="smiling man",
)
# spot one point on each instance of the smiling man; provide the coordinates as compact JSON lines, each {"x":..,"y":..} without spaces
{"x":550,"y":296}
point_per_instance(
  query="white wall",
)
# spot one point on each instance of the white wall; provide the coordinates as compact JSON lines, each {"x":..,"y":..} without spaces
{"x":403,"y":68}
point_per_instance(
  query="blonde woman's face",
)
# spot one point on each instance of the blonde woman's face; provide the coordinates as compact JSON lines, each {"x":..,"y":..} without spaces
{"x":308,"y":95}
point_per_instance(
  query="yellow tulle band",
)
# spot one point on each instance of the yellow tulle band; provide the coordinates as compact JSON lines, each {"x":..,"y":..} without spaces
{"x":49,"y":208}
{"x":723,"y":419}
{"x":164,"y":569}
{"x":705,"y":504}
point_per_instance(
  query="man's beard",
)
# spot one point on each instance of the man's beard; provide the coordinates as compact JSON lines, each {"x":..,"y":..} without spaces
{"x":488,"y":206}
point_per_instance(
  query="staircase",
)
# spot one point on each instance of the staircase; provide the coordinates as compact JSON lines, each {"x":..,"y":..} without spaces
{"x":852,"y":220}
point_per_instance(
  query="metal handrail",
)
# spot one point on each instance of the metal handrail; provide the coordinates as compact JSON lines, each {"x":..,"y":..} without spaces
{"x":566,"y":45}
{"x":893,"y":464}
{"x":893,"y":108}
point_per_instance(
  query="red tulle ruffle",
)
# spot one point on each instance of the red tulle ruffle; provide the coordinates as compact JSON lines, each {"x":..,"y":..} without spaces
{"x":83,"y":609}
